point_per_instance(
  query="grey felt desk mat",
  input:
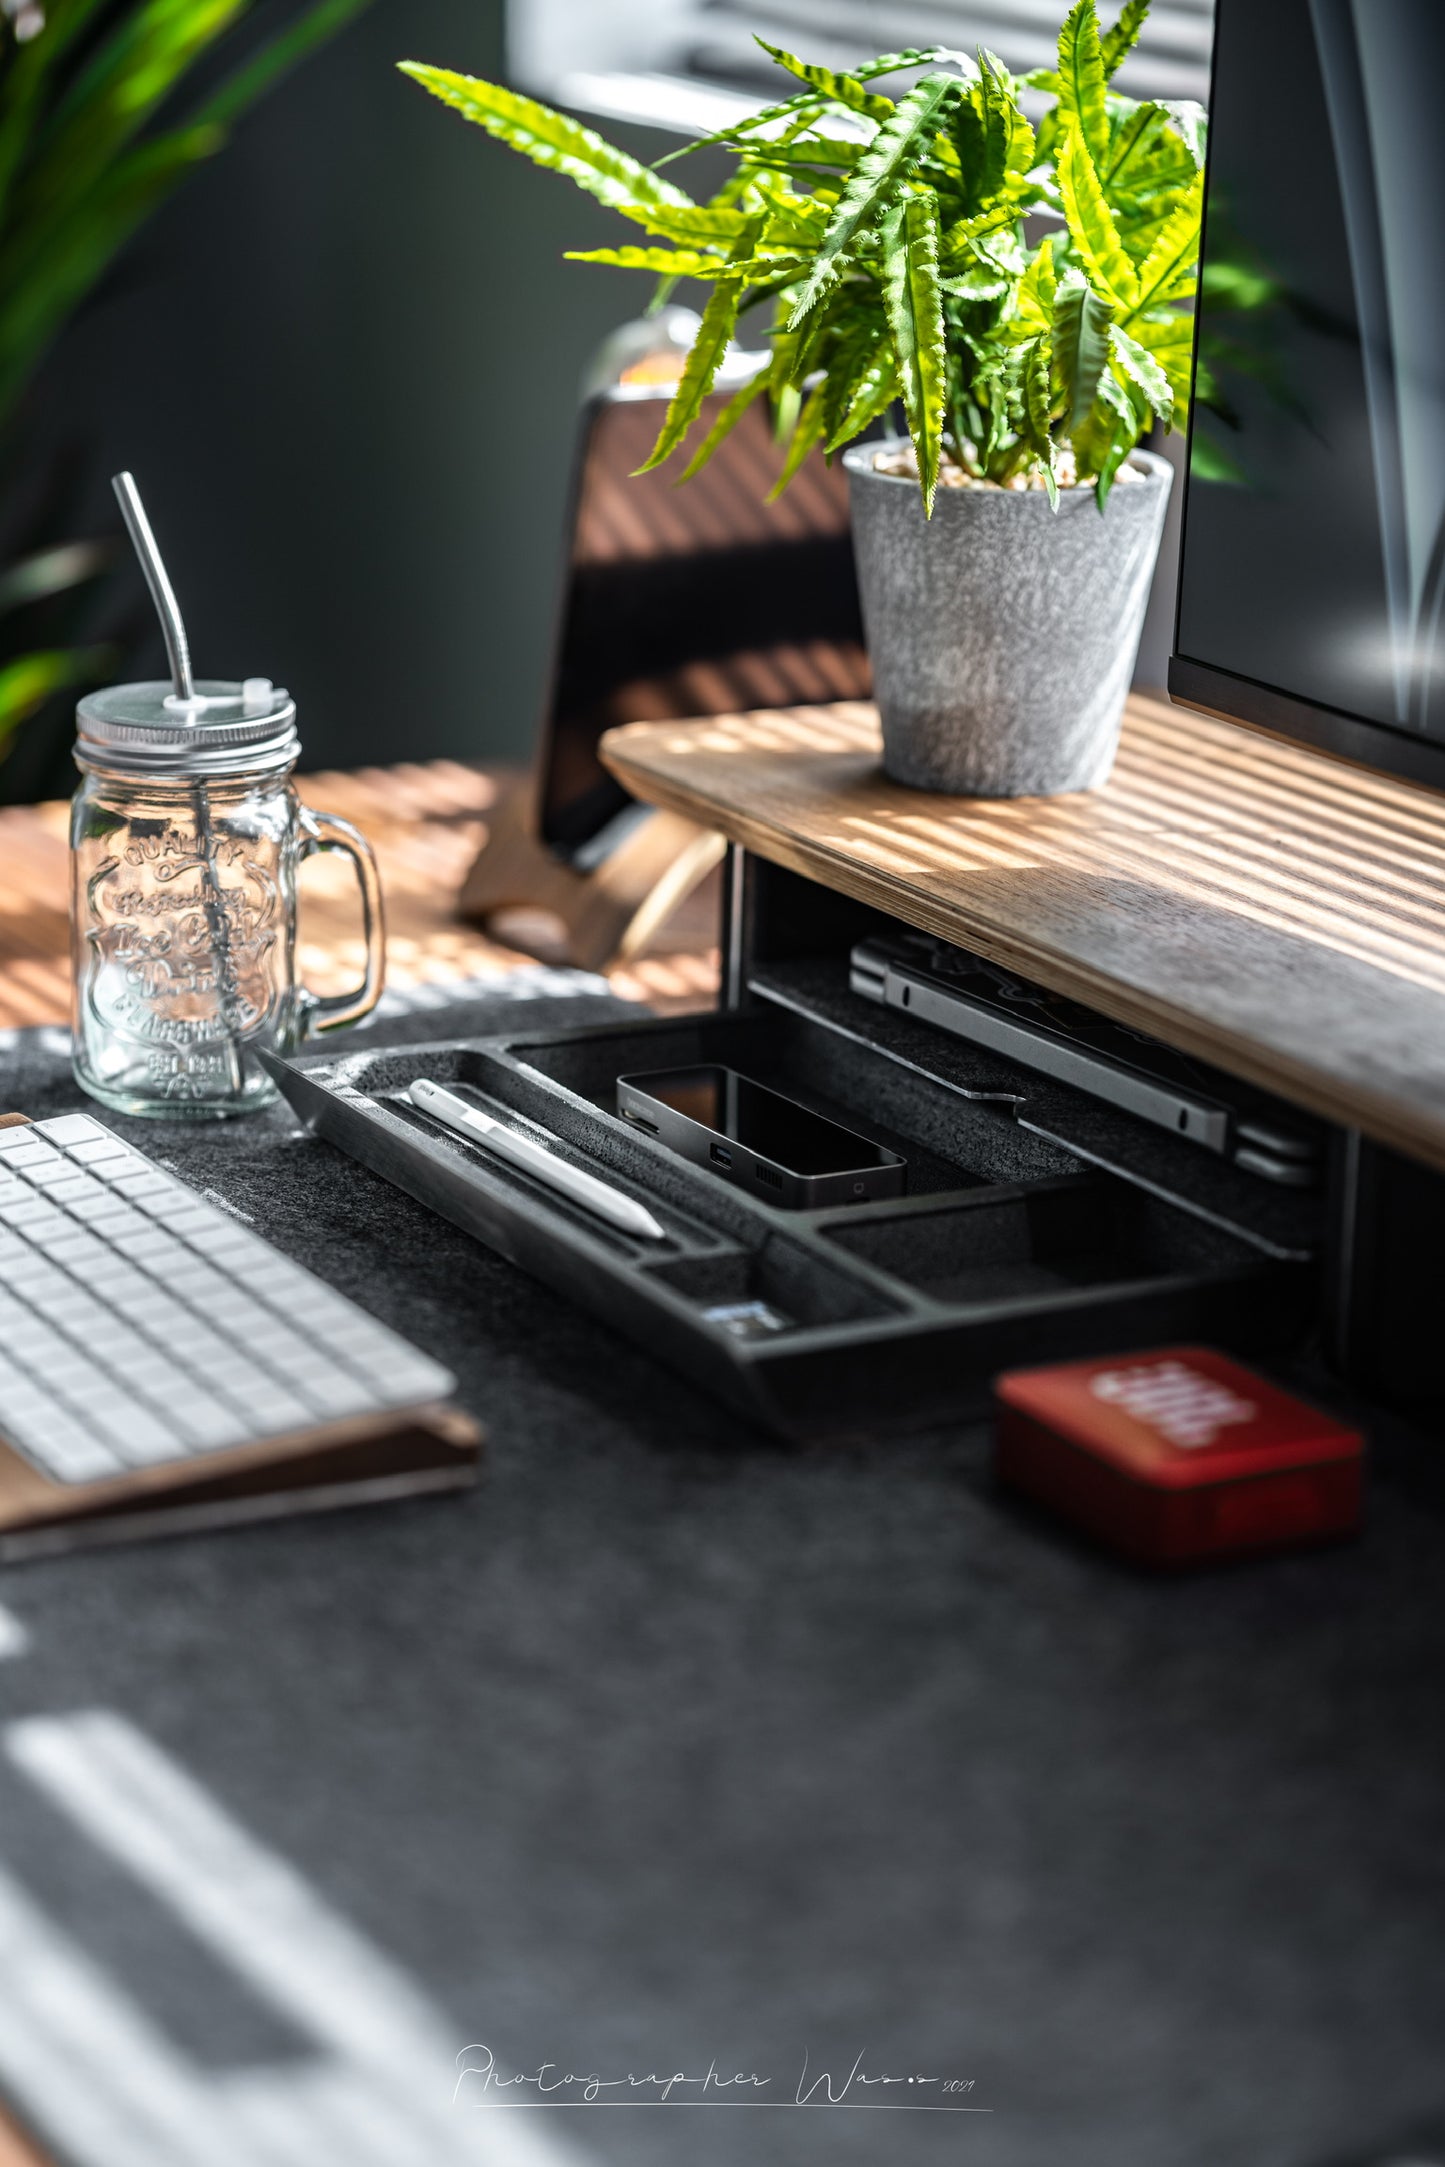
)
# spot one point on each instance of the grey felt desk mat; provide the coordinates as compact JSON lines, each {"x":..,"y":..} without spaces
{"x":669,"y":1744}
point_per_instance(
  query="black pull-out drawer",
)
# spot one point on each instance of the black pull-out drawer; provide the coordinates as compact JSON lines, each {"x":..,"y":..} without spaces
{"x":1010,"y":1247}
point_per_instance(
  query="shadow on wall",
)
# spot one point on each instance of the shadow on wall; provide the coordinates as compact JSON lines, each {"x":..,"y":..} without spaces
{"x":344,"y":366}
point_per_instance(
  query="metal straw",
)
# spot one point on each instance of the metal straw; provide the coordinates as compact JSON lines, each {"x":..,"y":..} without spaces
{"x":178,"y":649}
{"x":163,"y":594}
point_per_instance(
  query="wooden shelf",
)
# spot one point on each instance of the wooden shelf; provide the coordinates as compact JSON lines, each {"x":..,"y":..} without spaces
{"x":1273,"y":911}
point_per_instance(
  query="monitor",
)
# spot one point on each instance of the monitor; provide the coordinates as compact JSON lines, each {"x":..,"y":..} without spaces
{"x":1312,"y":570}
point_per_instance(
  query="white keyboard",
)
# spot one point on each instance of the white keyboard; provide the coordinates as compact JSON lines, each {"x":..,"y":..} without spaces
{"x":140,"y":1324}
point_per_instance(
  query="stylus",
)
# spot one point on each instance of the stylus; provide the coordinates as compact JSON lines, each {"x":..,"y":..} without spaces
{"x":535,"y":1159}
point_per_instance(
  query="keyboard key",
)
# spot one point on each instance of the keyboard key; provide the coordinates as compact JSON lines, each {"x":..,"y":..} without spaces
{"x":139,"y":1436}
{"x":22,"y":1210}
{"x":208,"y":1422}
{"x":99,"y":1210}
{"x":72,"y":1129}
{"x":408,"y":1383}
{"x":61,"y":1448}
{"x":38,"y":1346}
{"x":272,"y":1410}
{"x":228,"y":1244}
{"x":29,"y":1156}
{"x":43,"y":1173}
{"x":230,"y":1372}
{"x":174,"y":1204}
{"x":57,"y":1240}
{"x":78,"y":1183}
{"x":131,"y":1177}
{"x":107,"y":1152}
{"x":337,"y":1395}
{"x":155,"y":1246}
{"x":15,"y":1141}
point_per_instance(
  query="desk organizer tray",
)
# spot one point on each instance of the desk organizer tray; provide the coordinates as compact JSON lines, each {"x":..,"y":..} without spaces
{"x":1009,"y":1247}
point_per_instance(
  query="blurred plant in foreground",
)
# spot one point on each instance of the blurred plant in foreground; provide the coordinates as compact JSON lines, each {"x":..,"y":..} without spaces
{"x":83,"y":165}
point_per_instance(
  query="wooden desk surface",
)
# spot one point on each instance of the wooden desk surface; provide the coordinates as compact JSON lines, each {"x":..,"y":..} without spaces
{"x":425,"y":822}
{"x":1275,"y":912}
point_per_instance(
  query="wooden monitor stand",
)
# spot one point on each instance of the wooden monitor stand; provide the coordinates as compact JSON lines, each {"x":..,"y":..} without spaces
{"x":1261,"y":906}
{"x":606,"y":916}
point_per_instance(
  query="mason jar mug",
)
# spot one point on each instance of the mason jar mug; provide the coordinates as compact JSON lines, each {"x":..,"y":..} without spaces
{"x":186,"y":836}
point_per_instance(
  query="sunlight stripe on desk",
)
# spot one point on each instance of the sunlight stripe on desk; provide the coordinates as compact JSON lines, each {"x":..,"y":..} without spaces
{"x":379,"y":2090}
{"x":84,"y":2063}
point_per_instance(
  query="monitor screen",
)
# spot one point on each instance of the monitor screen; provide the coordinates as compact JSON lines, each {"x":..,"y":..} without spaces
{"x":1313,"y":562}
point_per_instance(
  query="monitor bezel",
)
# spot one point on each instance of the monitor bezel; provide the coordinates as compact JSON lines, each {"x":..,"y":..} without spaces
{"x":1210,"y":690}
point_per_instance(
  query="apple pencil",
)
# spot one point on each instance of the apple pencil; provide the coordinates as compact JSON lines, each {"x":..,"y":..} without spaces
{"x":535,"y":1159}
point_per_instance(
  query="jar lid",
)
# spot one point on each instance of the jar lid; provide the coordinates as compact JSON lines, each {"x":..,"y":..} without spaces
{"x":227,"y":729}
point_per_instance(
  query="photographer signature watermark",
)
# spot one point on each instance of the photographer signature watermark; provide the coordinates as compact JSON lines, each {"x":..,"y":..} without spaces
{"x":480,"y":2083}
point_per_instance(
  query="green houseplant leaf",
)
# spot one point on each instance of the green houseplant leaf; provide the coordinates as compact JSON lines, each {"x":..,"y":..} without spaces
{"x":548,"y":138}
{"x":887,"y":237}
{"x":893,"y":152}
{"x":1116,"y":45}
{"x":915,"y":322}
{"x":1082,"y":80}
{"x":1091,"y":224}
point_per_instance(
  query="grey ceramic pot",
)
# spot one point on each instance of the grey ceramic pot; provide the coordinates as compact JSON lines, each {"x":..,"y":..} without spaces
{"x":1002,"y":633}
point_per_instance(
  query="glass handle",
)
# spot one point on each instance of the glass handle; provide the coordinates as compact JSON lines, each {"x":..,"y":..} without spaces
{"x":328,"y":1011}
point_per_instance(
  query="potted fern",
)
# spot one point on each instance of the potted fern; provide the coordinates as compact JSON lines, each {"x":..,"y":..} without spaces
{"x":1023,"y":293}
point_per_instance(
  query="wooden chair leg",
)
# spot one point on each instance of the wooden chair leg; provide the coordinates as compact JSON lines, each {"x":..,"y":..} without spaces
{"x":607,"y":916}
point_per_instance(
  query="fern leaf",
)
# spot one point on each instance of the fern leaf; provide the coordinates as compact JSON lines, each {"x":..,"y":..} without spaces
{"x":918,"y":56}
{"x":726,"y":422}
{"x":983,"y":137}
{"x":1081,"y":79}
{"x":872,"y":391}
{"x":1192,"y":122}
{"x":1081,"y":346}
{"x":549,"y":139}
{"x":979,"y":285}
{"x":1035,"y":297}
{"x":690,"y":222}
{"x":1122,"y":419}
{"x":812,"y":154}
{"x":882,"y":169}
{"x":958,"y":243}
{"x":1142,"y":368}
{"x":1171,"y":343}
{"x":1168,"y":268}
{"x":1036,"y":384}
{"x":736,"y":131}
{"x":1131,"y":142}
{"x":719,"y":319}
{"x":807,"y":431}
{"x":668,"y":262}
{"x":1091,"y":224}
{"x":856,"y":351}
{"x":1116,"y":45}
{"x":845,"y":90}
{"x":791,"y":217}
{"x":914,"y":306}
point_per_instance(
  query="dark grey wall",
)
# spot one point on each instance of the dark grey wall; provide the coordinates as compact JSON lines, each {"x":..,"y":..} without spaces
{"x":343,"y":366}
